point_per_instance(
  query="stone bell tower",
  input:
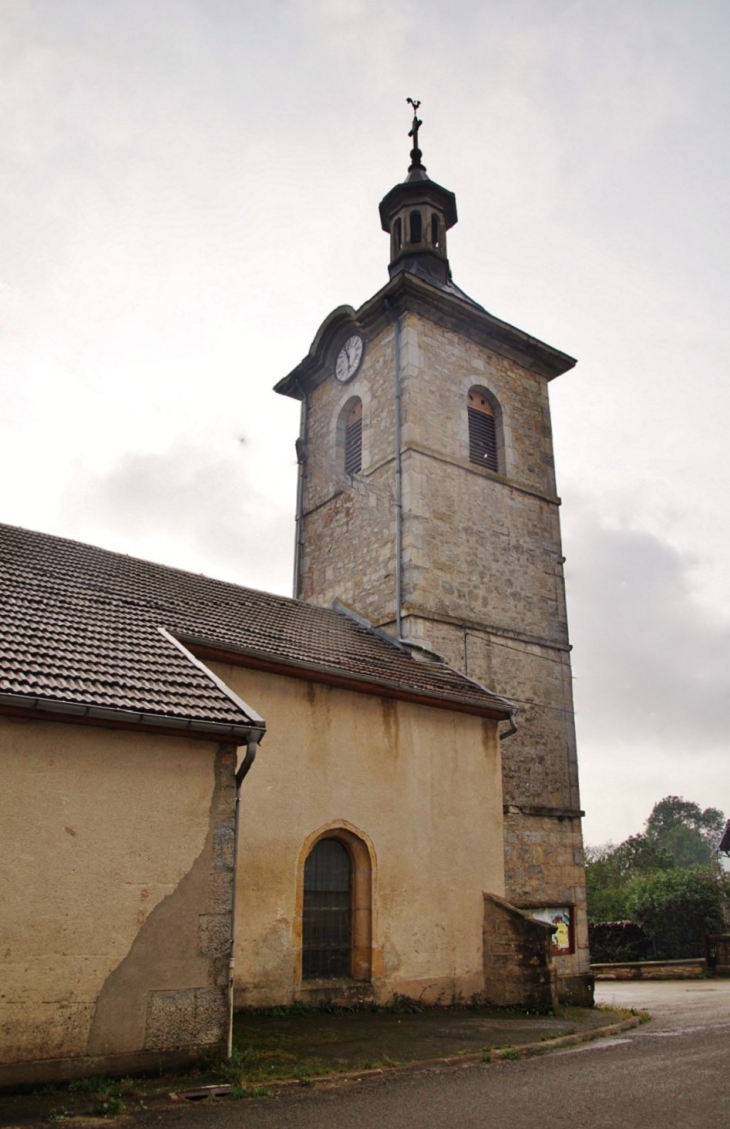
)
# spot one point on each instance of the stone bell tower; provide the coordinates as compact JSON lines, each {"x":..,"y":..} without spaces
{"x":427,"y":502}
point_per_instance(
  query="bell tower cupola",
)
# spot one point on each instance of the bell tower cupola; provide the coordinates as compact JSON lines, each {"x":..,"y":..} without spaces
{"x":417,"y":214}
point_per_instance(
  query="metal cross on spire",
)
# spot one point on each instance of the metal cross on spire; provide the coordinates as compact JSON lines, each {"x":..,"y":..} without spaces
{"x":415,"y":126}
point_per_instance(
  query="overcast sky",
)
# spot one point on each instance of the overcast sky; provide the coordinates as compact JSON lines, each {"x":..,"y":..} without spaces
{"x":187,"y":188}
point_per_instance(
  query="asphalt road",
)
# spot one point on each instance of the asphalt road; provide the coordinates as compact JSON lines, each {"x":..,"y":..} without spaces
{"x":671,"y":1072}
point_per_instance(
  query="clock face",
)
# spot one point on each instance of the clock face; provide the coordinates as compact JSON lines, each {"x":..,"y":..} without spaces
{"x":349,"y":358}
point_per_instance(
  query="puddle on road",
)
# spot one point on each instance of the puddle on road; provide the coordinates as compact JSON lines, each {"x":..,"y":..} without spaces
{"x":675,"y":1032}
{"x":597,"y":1046}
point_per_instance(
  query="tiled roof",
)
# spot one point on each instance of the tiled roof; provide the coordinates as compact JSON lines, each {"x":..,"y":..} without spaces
{"x":83,"y":626}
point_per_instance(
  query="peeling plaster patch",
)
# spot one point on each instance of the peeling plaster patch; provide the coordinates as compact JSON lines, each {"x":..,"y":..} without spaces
{"x":170,"y":990}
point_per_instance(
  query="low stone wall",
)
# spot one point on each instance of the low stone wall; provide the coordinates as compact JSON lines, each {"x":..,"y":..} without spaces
{"x":651,"y":970}
{"x":518,"y":968}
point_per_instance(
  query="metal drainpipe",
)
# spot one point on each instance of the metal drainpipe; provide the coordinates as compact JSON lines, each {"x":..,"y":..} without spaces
{"x":398,"y":470}
{"x":301,"y":450}
{"x":246,"y":764}
{"x":512,"y":729}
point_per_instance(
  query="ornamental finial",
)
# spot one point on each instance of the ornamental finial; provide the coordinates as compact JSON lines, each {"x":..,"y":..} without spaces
{"x":415,"y":126}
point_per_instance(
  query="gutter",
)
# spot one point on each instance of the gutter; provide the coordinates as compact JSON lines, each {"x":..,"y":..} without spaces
{"x":511,"y":731}
{"x":254,"y":739}
{"x":301,"y":448}
{"x":223,"y":731}
{"x":398,"y":469}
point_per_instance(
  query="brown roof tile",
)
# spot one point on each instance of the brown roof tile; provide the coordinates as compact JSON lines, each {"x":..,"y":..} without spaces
{"x":82,"y":626}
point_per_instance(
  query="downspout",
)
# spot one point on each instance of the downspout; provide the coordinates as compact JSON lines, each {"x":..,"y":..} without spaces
{"x":398,"y":471}
{"x":301,"y":446}
{"x":511,"y":731}
{"x":251,"y":749}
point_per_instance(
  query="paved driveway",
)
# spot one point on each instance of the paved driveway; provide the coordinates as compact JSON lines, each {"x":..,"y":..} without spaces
{"x":675,"y":1005}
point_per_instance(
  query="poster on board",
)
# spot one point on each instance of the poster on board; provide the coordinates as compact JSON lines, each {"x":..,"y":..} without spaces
{"x":561,"y":918}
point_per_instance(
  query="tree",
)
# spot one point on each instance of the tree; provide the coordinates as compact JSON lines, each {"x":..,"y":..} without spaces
{"x":640,"y":853}
{"x":609,"y":869}
{"x":683,"y":829}
{"x":677,"y":835}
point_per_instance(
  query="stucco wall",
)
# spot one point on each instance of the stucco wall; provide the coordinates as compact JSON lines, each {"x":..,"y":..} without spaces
{"x":422,"y":787}
{"x":115,"y":895}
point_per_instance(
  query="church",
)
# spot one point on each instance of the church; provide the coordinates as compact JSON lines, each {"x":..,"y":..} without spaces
{"x":216,"y":797}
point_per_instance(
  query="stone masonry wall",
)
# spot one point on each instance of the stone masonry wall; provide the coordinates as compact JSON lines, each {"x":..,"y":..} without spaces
{"x":518,"y":969}
{"x":349,"y":522}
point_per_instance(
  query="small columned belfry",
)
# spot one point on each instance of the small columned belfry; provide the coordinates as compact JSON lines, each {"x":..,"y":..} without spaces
{"x":417,"y":214}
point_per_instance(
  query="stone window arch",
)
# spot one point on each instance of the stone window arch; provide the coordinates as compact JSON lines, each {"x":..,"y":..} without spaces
{"x":335,"y":906}
{"x":349,"y":436}
{"x":486,"y":441}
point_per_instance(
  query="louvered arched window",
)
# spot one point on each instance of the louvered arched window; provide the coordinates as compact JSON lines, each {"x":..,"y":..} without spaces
{"x":484,"y":442}
{"x":353,"y":437}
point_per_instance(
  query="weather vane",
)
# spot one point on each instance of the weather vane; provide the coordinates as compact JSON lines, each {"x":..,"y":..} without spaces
{"x":416,"y":125}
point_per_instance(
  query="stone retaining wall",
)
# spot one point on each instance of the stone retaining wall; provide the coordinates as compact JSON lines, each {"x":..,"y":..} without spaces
{"x":651,"y":970}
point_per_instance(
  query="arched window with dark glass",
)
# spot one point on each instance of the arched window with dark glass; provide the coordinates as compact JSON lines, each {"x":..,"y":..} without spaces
{"x":435,"y":231}
{"x":416,"y":227}
{"x":483,"y":430}
{"x":327,"y":912}
{"x":353,"y":437}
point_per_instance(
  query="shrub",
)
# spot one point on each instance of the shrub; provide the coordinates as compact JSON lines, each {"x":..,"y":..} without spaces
{"x":616,"y":941}
{"x":676,"y":908}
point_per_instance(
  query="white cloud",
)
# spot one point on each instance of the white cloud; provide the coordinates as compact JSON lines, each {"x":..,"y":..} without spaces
{"x":190,"y":508}
{"x":652,"y":676}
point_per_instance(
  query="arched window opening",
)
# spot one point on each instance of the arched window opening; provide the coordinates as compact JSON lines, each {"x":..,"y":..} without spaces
{"x":397,"y":236}
{"x":482,"y":431}
{"x":353,"y":438}
{"x":327,"y":912}
{"x":416,"y":227}
{"x":435,"y":231}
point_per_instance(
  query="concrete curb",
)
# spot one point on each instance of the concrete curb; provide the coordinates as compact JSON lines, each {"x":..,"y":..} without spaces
{"x":477,"y":1058}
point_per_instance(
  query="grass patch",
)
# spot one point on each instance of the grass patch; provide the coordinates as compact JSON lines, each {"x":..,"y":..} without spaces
{"x":239,"y":1092}
{"x":108,"y":1107}
{"x":378,"y":1063}
{"x":267,"y":1060}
